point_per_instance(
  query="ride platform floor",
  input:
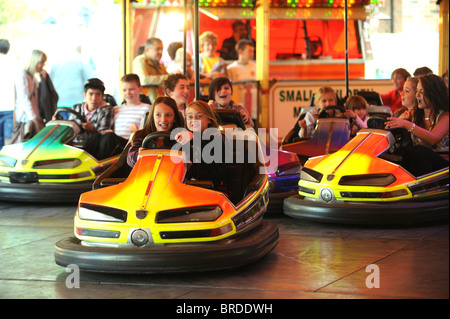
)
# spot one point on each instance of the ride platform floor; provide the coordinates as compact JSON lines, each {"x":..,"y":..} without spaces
{"x":311,"y":261}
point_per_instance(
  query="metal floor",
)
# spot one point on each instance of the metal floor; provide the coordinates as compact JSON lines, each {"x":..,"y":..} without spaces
{"x":311,"y":261}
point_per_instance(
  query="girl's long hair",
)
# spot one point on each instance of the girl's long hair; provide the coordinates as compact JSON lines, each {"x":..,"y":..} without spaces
{"x":435,"y":95}
{"x":150,"y":126}
{"x":206,"y":110}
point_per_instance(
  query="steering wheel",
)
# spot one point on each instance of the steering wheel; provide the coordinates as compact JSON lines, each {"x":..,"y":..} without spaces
{"x":69,"y":110}
{"x":151,"y":140}
{"x":376,"y":122}
{"x":402,"y":137}
{"x":324,"y":113}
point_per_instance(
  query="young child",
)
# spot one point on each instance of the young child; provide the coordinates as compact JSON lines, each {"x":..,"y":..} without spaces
{"x":130,"y":114}
{"x":220,"y":92}
{"x":356,"y":108}
{"x":210,"y":64}
{"x":325,"y":97}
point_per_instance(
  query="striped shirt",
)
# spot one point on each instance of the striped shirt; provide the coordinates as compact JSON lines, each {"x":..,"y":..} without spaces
{"x":129,"y":115}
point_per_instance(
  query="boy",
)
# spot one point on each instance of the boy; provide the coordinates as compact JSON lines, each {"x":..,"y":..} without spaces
{"x":244,"y":69}
{"x":99,"y":140}
{"x":130,"y":114}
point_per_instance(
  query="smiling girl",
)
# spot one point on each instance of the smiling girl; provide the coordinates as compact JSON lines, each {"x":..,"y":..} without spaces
{"x":429,"y":128}
{"x":206,"y":164}
{"x":164,"y":116}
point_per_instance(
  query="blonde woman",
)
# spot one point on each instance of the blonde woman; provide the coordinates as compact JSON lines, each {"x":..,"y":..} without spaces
{"x":27,"y":99}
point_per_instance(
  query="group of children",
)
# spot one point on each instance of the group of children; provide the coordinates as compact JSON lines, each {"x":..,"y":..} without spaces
{"x":107,"y":129}
{"x":326,"y":100}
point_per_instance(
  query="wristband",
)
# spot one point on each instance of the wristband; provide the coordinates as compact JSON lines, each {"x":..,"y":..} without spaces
{"x":412,"y":128}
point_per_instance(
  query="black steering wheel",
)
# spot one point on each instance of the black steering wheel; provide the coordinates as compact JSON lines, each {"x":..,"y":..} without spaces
{"x":402,"y":137}
{"x":153,"y":140}
{"x":324,"y":113}
{"x":377,"y":122}
{"x":79,"y":117}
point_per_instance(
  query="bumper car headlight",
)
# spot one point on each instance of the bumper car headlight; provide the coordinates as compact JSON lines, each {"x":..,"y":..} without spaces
{"x":57,"y":164}
{"x":7,"y":161}
{"x":367,"y":180}
{"x":310,"y":175}
{"x":191,"y":214}
{"x":101,"y":213}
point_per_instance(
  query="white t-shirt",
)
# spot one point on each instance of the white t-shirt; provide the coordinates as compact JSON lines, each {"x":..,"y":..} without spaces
{"x":7,"y":91}
{"x":128,"y":115}
{"x":244,"y":94}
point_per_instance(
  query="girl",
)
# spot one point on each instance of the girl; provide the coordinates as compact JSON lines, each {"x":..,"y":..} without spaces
{"x":164,"y":116}
{"x":429,"y":127}
{"x":177,"y":87}
{"x":205,"y":166}
{"x":325,"y":97}
{"x":220,"y":92}
{"x":409,"y":100}
{"x":356,"y":108}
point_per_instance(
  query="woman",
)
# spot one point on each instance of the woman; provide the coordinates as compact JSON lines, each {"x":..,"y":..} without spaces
{"x":429,"y":128}
{"x":220,"y":92}
{"x":206,"y":164}
{"x":177,"y":87}
{"x":164,"y":116}
{"x":324,"y":97}
{"x":27,"y":100}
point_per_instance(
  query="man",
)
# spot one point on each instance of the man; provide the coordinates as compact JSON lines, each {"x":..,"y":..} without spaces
{"x":228,"y":50}
{"x":149,"y":68}
{"x":7,"y":92}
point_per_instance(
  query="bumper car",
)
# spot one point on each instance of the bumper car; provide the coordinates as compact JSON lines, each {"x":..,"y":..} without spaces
{"x":50,"y":167}
{"x":154,"y":220}
{"x":283,"y":174}
{"x":283,"y":179}
{"x":364,"y":183}
{"x":332,"y":131}
{"x":330,"y":134}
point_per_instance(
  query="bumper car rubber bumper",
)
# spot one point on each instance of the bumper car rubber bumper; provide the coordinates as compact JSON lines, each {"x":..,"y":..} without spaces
{"x":173,"y":258}
{"x":276,"y":201}
{"x":403,"y":212}
{"x":44,"y":192}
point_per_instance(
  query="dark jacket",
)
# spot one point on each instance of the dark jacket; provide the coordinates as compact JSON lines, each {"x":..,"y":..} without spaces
{"x":48,"y":99}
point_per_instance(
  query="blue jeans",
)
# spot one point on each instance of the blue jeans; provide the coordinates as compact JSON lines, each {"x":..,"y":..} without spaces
{"x":6,"y":126}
